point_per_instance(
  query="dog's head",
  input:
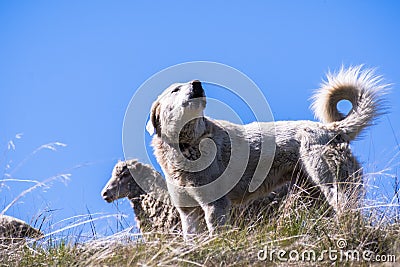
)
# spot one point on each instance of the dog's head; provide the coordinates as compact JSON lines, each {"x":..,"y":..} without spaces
{"x":179,"y":104}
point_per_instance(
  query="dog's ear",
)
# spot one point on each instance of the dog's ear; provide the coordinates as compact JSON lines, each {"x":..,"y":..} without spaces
{"x":154,"y":122}
{"x":150,"y":127}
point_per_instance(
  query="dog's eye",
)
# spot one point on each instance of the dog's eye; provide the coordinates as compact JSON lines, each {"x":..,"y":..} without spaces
{"x":175,"y":90}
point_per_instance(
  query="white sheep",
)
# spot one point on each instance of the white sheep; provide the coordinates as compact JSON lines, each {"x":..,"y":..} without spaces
{"x":13,"y":229}
{"x":154,"y":211}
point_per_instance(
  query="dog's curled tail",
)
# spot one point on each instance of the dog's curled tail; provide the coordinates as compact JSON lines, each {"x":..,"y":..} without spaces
{"x":362,"y":88}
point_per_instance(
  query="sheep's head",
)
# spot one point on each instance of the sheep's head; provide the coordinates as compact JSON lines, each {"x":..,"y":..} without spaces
{"x":122,"y":184}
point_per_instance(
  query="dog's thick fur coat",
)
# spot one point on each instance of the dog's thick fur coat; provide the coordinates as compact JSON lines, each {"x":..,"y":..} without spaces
{"x":316,"y":151}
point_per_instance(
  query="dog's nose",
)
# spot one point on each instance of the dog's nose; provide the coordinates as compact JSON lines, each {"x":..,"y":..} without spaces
{"x":197,"y":89}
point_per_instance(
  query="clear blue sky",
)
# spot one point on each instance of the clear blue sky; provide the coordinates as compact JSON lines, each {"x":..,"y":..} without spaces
{"x":68,"y":70}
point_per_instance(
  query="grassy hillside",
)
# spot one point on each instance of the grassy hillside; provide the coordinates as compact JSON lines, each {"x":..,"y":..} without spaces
{"x":295,"y":233}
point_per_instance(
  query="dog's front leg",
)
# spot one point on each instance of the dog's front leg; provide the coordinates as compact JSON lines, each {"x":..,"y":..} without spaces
{"x":190,"y":217}
{"x":216,"y":213}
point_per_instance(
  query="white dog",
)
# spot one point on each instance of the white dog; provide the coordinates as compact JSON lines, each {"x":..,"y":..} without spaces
{"x":211,"y":163}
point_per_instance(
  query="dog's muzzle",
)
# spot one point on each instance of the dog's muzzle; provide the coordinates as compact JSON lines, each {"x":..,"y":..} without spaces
{"x":197,"y":90}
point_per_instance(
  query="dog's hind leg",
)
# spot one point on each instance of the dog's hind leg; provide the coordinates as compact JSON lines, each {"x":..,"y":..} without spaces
{"x":321,"y":157}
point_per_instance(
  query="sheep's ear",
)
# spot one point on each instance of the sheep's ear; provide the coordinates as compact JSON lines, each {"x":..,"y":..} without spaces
{"x":154,"y":122}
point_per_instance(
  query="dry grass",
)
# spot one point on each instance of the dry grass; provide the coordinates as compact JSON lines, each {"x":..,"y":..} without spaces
{"x":293,"y":227}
